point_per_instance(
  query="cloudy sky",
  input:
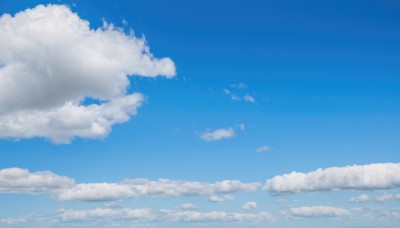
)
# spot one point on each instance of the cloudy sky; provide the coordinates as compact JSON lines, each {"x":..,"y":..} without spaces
{"x":199,"y":113}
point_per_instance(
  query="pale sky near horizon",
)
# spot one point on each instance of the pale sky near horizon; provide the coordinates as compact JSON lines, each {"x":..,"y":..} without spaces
{"x":199,"y":113}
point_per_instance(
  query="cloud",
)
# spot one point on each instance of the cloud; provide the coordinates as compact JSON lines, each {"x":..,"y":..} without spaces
{"x":249,"y":98}
{"x":51,"y":62}
{"x":318,"y":212}
{"x":97,"y":192}
{"x":215,"y":216}
{"x":218,"y":134}
{"x":130,"y":188}
{"x":106,"y":213}
{"x":146,"y":214}
{"x":357,"y":177}
{"x":250,"y":205}
{"x":218,"y":199}
{"x":262,"y":149}
{"x":237,"y":93}
{"x":382,"y":198}
{"x":187,"y":206}
{"x":17,"y":180}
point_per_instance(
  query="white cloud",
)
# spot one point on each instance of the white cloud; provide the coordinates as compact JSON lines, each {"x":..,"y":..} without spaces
{"x":318,"y":211}
{"x":146,"y":214}
{"x":250,"y":205}
{"x":249,"y":98}
{"x":146,"y":188}
{"x":218,"y":199}
{"x":17,"y":180}
{"x":97,"y":192}
{"x":262,"y":148}
{"x":187,"y":206}
{"x":356,"y":177}
{"x":242,"y":127}
{"x":51,"y":61}
{"x":106,"y":213}
{"x":239,"y":86}
{"x":382,"y":198}
{"x":218,"y":134}
{"x":215,"y":216}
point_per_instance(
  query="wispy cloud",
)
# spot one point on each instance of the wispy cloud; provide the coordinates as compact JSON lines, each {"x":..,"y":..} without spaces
{"x":218,"y":134}
{"x":382,"y":198}
{"x":237,"y":92}
{"x":262,"y":149}
{"x":250,"y":205}
{"x":218,"y":199}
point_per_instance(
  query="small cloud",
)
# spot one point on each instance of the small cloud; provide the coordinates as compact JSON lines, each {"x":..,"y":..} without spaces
{"x":263,"y":148}
{"x":242,"y":127}
{"x":249,"y":98}
{"x":187,"y":206}
{"x":239,"y":86}
{"x":218,"y":134}
{"x":250,"y":205}
{"x":218,"y":199}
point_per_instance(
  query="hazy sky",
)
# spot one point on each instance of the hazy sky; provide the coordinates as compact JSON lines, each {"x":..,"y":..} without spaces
{"x":199,"y":113}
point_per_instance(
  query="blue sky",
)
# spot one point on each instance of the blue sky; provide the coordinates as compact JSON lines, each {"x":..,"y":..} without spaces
{"x":313,"y":84}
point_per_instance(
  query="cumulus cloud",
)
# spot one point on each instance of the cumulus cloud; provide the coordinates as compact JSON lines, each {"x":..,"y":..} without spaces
{"x":145,"y":188}
{"x":215,"y":216}
{"x":52,"y":61}
{"x":382,"y":198}
{"x":262,"y":148}
{"x":318,"y":212}
{"x":218,"y":134}
{"x":356,"y":177}
{"x":218,"y":199}
{"x":17,"y":180}
{"x":250,"y":205}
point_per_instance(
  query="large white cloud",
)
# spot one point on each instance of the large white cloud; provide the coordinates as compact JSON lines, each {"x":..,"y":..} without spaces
{"x":356,"y":177}
{"x":17,"y":180}
{"x":318,"y":211}
{"x":51,"y":60}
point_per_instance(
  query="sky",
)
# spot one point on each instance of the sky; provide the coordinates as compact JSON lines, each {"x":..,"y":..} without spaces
{"x":199,"y":113}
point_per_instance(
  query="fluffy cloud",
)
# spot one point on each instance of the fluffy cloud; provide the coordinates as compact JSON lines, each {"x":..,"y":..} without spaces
{"x":51,"y":61}
{"x":356,"y":177}
{"x":145,"y":188}
{"x":218,"y":134}
{"x":250,"y":205}
{"x":382,"y":198}
{"x":318,"y":211}
{"x":97,"y":192}
{"x":16,"y":180}
{"x":218,"y":199}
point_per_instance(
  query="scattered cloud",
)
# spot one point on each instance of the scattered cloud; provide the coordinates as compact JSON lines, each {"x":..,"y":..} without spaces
{"x":106,"y":213}
{"x":382,"y":198}
{"x":97,"y":192}
{"x":237,"y":92}
{"x":357,"y":177}
{"x":52,"y":62}
{"x":187,"y":206}
{"x":262,"y":149}
{"x":215,"y":216}
{"x":219,"y":199}
{"x":17,"y":180}
{"x":249,"y":98}
{"x":250,"y":205}
{"x":318,"y":212}
{"x":218,"y":134}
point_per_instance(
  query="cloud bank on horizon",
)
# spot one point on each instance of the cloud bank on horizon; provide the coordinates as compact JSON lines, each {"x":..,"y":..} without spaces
{"x":51,"y":61}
